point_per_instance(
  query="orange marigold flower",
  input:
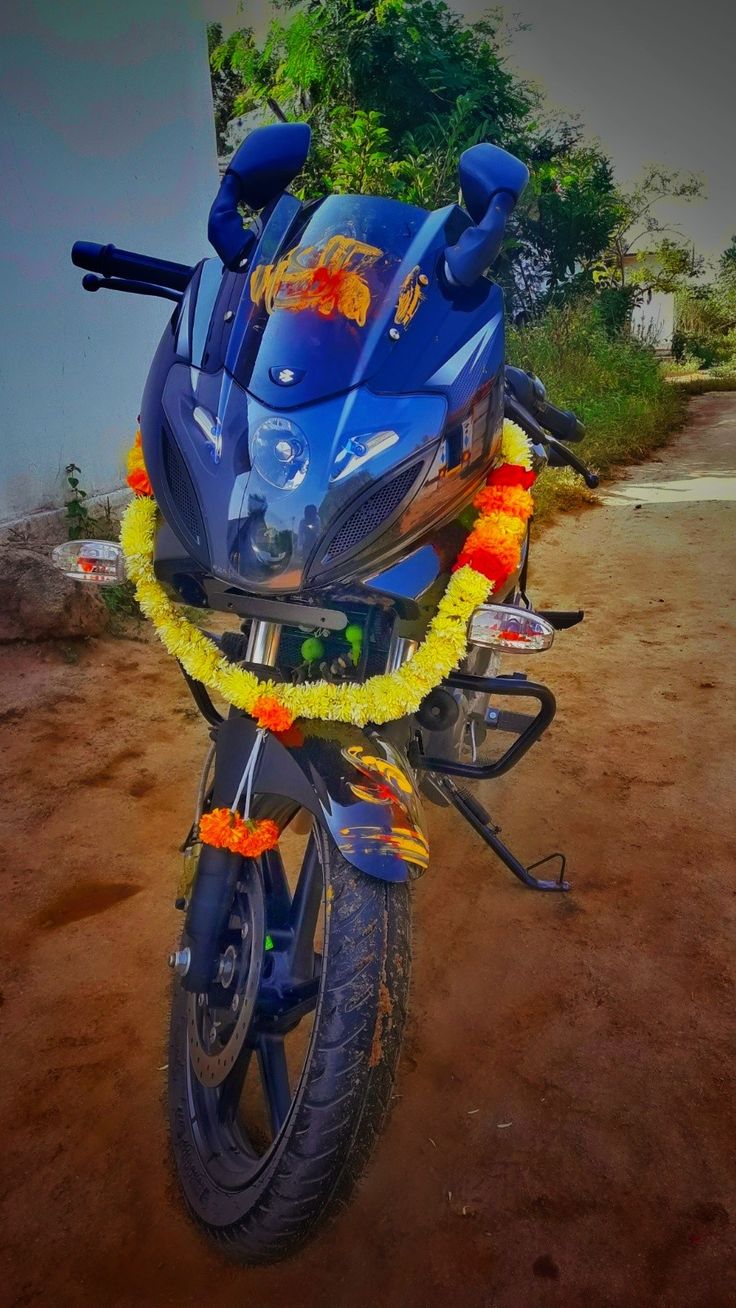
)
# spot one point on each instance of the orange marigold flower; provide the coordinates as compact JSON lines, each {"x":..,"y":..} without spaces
{"x":139,"y":482}
{"x":511,"y":474}
{"x":487,"y":563}
{"x":257,"y":837}
{"x":216,"y":828}
{"x":137,"y":476}
{"x":501,"y":534}
{"x":513,"y":500}
{"x":506,"y":559}
{"x":272,"y":715}
{"x":224,"y":829}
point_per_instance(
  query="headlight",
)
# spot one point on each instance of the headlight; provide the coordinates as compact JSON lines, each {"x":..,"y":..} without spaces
{"x":279,"y":453}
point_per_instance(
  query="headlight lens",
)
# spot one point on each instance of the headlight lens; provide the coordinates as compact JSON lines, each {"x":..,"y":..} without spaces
{"x":279,"y":453}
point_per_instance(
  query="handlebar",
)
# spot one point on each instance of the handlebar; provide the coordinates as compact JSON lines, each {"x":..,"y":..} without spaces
{"x":91,"y":282}
{"x":565,"y":456}
{"x":529,"y":392}
{"x":561,"y":456}
{"x":111,"y":262}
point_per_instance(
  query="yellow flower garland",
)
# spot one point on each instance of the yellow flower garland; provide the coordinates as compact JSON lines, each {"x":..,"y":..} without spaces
{"x":381,"y":698}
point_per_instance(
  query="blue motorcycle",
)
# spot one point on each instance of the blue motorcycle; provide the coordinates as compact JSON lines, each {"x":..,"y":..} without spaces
{"x":327,"y":399}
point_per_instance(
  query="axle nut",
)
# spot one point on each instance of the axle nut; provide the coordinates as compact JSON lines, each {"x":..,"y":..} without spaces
{"x":179,"y":962}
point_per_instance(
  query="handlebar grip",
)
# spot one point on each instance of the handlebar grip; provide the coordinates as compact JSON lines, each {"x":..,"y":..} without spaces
{"x":87,"y":254}
{"x":111,"y":262}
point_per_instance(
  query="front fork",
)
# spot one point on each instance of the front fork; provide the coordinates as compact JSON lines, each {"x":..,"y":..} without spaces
{"x":357,"y":784}
{"x":217,"y":872}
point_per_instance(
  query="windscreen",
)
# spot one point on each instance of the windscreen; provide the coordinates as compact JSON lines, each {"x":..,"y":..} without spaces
{"x":319,"y":308}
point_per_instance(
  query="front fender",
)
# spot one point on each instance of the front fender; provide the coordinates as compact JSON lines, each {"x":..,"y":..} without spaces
{"x":359,"y":785}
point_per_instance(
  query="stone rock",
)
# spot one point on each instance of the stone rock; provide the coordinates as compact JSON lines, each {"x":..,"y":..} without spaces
{"x":37,"y":602}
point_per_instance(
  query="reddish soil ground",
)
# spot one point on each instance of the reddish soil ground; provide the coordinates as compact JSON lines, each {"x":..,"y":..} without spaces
{"x":563,"y":1130}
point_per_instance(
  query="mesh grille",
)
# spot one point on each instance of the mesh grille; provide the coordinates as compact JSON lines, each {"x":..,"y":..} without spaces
{"x":372,"y":512}
{"x":182,"y":490}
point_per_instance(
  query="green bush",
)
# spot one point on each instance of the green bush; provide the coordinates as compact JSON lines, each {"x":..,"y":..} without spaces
{"x":614,"y":384}
{"x":707,"y":348}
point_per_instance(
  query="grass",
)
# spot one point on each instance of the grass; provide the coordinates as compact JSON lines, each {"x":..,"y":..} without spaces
{"x":614,"y":385}
{"x":705,"y":382}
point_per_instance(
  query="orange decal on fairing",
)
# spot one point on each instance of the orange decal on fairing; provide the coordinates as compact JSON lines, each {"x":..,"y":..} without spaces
{"x":327,"y":279}
{"x":410,"y":296}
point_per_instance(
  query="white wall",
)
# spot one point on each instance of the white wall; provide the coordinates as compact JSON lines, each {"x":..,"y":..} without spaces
{"x":654,"y":320}
{"x":106,"y":134}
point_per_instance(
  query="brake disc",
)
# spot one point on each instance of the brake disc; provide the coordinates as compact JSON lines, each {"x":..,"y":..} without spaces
{"x":218,"y":1021}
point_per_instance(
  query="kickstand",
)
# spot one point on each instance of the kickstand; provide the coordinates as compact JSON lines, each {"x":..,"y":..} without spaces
{"x":474,"y":813}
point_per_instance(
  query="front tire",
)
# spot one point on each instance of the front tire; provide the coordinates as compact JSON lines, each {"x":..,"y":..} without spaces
{"x":261,"y":1198}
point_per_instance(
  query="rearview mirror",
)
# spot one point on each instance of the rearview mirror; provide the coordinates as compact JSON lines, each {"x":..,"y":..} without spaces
{"x":484,"y":170}
{"x":260,"y":169}
{"x":491,"y":181}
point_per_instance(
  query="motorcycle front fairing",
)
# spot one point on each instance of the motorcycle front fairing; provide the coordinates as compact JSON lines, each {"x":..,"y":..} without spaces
{"x":251,"y":518}
{"x":338,"y":358}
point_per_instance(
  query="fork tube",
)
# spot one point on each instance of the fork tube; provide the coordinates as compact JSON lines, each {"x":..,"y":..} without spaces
{"x":263,"y":643}
{"x":400,"y":651}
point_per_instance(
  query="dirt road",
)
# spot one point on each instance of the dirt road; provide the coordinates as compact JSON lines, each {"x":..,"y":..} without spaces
{"x":563,"y":1132}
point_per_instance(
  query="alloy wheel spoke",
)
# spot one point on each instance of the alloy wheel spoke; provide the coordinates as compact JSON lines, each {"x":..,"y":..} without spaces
{"x":275,"y":1078}
{"x":231,"y":1089}
{"x":305,"y":908}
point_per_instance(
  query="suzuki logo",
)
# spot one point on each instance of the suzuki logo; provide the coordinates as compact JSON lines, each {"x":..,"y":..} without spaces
{"x":286,"y":376}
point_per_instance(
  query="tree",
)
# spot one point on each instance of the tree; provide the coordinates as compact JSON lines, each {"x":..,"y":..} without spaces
{"x":411,"y":68}
{"x":396,"y":90}
{"x":727,"y":266}
{"x":706,"y":315}
{"x":644,"y":252}
{"x":565,"y":220}
{"x":226,"y":82}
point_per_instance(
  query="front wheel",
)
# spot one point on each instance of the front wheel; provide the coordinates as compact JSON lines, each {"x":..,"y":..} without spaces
{"x":280,"y":1076}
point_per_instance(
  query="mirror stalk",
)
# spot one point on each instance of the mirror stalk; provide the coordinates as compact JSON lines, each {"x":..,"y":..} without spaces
{"x":491,"y":181}
{"x":480,"y":246}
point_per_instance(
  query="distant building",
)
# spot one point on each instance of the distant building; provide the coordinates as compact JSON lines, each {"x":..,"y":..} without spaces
{"x":106,"y":134}
{"x":654,"y":318}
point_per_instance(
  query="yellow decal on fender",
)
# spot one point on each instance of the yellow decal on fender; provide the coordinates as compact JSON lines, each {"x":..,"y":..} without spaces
{"x":369,"y":763}
{"x":327,"y":279}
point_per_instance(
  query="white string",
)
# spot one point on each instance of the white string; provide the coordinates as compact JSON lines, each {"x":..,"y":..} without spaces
{"x":248,"y":774}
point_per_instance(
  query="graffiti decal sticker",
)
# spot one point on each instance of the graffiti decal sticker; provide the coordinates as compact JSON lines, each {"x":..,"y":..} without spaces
{"x":327,"y":279}
{"x":410,"y":296}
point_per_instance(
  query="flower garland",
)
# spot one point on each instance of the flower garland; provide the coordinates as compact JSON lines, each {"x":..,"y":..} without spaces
{"x":490,"y":554}
{"x":137,"y":478}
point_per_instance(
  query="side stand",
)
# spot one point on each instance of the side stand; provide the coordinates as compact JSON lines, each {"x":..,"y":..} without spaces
{"x":481,"y":821}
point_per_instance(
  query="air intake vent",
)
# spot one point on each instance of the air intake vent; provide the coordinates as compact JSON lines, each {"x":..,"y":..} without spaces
{"x":181,"y":490}
{"x":373,"y":511}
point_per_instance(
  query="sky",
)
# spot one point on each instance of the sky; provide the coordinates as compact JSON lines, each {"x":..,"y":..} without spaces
{"x":653,"y":80}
